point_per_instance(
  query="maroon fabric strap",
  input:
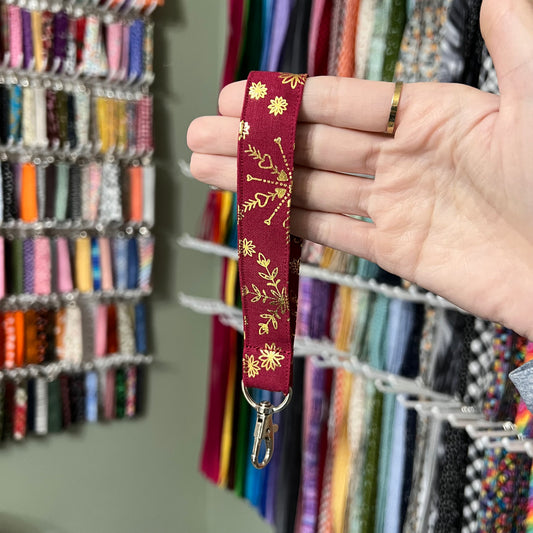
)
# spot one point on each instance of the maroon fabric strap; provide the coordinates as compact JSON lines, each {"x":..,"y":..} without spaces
{"x":269,"y":256}
{"x":234,"y":41}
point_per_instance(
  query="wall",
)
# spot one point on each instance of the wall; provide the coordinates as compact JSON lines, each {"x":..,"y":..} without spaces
{"x":139,"y":477}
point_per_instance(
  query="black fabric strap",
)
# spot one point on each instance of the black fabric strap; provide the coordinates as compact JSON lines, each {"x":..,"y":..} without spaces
{"x":291,"y":456}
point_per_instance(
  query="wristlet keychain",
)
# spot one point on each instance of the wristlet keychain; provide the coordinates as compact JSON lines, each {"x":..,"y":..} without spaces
{"x":269,"y":256}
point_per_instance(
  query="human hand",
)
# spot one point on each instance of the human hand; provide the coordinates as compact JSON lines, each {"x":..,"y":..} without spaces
{"x":451,"y":197}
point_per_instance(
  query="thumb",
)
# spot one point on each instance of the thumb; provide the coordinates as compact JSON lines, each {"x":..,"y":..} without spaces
{"x":507,"y":27}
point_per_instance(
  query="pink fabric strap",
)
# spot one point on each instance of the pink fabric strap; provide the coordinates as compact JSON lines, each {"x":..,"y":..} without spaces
{"x":100,"y":331}
{"x":105,"y":264}
{"x":42,"y":262}
{"x":64,"y":272}
{"x":314,"y":27}
{"x":14,"y":15}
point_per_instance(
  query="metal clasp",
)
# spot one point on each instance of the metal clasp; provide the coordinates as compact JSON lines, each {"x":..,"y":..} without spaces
{"x":264,"y":427}
{"x":264,"y":431}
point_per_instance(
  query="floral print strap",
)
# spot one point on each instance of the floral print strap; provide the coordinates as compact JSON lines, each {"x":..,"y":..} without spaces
{"x":268,"y":254}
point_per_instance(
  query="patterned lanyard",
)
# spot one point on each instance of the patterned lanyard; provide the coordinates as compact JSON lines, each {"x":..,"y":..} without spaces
{"x":268,"y":254}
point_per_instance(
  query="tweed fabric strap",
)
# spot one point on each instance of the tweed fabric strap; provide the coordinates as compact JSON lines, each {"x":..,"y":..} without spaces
{"x":268,"y":254}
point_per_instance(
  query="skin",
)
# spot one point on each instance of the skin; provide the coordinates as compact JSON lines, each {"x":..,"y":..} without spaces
{"x":451,"y":198}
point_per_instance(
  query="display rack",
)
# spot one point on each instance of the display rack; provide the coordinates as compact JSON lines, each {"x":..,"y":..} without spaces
{"x":76,"y":211}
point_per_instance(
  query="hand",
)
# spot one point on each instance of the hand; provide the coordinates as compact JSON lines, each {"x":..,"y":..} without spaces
{"x":451,"y":201}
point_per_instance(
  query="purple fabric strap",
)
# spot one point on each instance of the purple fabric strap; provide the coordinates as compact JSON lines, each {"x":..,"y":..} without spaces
{"x":61,"y":24}
{"x":280,"y":23}
{"x":313,"y":293}
{"x":27,"y":37}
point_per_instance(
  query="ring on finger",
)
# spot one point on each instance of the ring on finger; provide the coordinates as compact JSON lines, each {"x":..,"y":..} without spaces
{"x":391,"y":123}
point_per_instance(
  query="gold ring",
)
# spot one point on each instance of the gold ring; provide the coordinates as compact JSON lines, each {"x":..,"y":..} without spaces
{"x":391,"y":123}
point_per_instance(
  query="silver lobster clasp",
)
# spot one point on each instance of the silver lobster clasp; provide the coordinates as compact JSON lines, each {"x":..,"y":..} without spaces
{"x":264,"y":427}
{"x":263,"y":432}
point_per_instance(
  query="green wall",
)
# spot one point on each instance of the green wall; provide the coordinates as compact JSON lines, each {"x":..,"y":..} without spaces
{"x":142,"y":476}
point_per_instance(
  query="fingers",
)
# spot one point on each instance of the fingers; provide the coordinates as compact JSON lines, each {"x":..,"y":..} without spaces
{"x":342,"y":102}
{"x":337,"y":231}
{"x":314,"y":190}
{"x":317,"y":145}
{"x":507,"y":28}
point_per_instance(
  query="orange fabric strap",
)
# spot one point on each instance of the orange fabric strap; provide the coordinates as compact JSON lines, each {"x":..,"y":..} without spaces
{"x":19,"y":336}
{"x":28,"y":194}
{"x":136,"y":193}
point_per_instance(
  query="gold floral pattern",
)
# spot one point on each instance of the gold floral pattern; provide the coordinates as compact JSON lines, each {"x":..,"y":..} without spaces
{"x":277,"y":106}
{"x":277,"y":298}
{"x":293,"y":79}
{"x":250,"y":366}
{"x":257,"y":90}
{"x":244,"y":130}
{"x":271,"y":357}
{"x":246,"y":247}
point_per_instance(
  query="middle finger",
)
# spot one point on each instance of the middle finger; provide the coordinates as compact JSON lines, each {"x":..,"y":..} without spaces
{"x":314,"y":190}
{"x":317,"y":145}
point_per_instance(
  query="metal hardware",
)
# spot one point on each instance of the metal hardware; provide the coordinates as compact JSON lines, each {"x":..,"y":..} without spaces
{"x":264,"y":427}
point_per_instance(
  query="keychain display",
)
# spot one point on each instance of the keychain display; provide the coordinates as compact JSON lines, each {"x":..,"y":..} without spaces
{"x":46,"y":382}
{"x":66,"y":194}
{"x":39,"y":405}
{"x":43,"y":335}
{"x":117,"y":48}
{"x":37,"y":118}
{"x":76,"y":208}
{"x":45,"y":265}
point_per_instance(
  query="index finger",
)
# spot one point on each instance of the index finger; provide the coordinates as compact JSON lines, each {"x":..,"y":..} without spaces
{"x":343,"y":102}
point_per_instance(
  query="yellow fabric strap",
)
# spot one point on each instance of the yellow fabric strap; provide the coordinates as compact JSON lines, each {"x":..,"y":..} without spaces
{"x":340,"y":478}
{"x":122,"y":121}
{"x":230,"y":283}
{"x":226,"y":200}
{"x":84,"y":277}
{"x":113,"y":122}
{"x":37,"y":32}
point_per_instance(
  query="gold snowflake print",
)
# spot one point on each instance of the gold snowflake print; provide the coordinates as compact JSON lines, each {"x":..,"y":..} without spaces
{"x":270,"y":357}
{"x":257,"y":90}
{"x":282,"y":186}
{"x":250,"y":366}
{"x":293,"y":79}
{"x":244,"y":130}
{"x":246,"y":247}
{"x":277,"y":106}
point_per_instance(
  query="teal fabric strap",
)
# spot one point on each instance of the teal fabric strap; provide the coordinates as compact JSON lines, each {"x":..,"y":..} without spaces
{"x":377,"y":332}
{"x":62,"y":184}
{"x":374,"y":68}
